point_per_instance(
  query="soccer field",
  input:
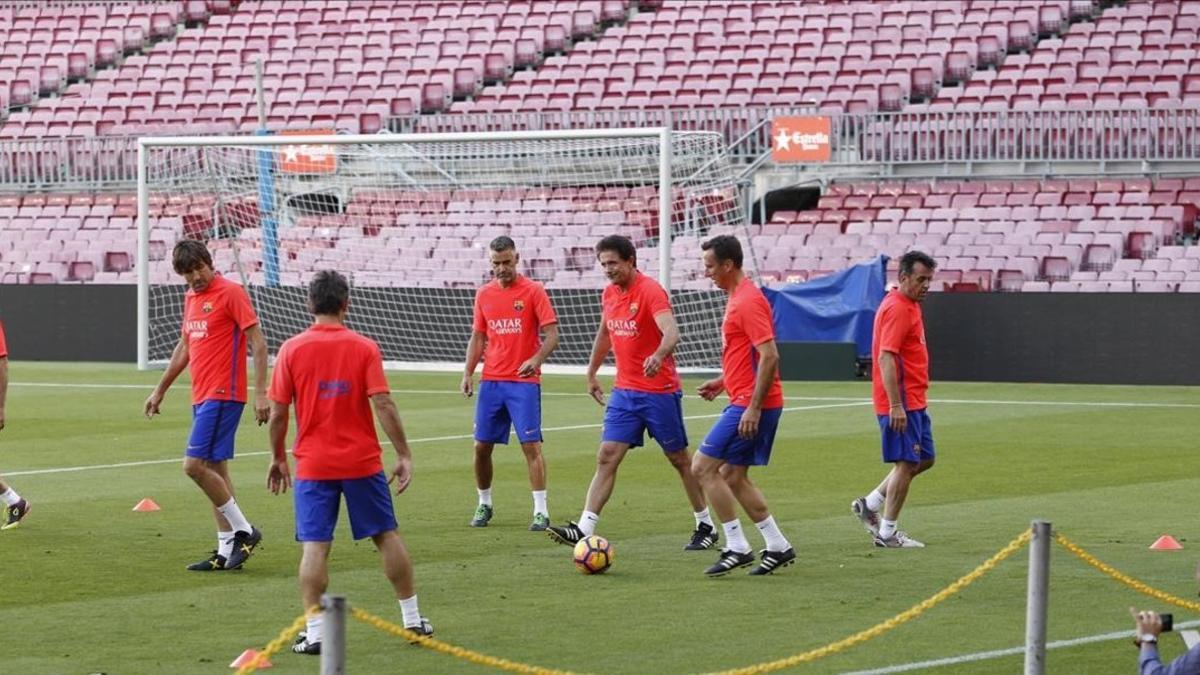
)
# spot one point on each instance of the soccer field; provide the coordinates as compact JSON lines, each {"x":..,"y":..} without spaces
{"x":90,"y":586}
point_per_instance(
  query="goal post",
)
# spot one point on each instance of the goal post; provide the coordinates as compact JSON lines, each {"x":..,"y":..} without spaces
{"x":408,"y":219}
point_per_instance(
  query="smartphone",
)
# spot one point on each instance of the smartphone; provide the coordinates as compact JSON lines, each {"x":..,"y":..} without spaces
{"x":1168,"y":621}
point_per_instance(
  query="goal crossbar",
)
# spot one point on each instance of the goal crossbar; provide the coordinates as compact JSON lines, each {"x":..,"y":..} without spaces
{"x":522,"y":143}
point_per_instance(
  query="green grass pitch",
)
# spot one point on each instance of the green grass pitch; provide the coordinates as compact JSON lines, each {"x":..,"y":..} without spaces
{"x":90,"y":586}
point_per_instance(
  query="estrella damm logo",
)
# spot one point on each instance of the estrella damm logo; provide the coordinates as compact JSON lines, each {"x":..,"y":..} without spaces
{"x":207,"y":307}
{"x":633,"y":308}
{"x":518,"y":304}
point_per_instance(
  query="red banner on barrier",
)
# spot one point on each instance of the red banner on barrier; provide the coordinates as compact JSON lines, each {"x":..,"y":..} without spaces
{"x":800,"y":139}
{"x":307,"y":159}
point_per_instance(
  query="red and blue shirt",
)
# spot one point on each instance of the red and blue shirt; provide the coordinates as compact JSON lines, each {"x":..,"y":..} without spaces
{"x":330,"y":373}
{"x":900,"y":329}
{"x":214,"y":324}
{"x":512,"y":319}
{"x":629,"y":315}
{"x":747,"y":325}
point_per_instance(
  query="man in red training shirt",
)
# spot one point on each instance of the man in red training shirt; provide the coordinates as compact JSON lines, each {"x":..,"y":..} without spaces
{"x":334,"y":376}
{"x":218,"y":322}
{"x":900,"y":377}
{"x":745,"y":433}
{"x":510,"y":311}
{"x":638,"y":327}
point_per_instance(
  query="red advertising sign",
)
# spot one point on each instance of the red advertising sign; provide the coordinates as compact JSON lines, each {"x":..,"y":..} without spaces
{"x":308,"y":159}
{"x":800,"y":139}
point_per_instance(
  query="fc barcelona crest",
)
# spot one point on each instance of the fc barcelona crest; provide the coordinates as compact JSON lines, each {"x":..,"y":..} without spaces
{"x":518,"y":305}
{"x":207,"y":307}
{"x":633,"y":308}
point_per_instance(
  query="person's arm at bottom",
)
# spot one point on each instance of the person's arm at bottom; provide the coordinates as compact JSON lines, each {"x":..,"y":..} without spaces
{"x":1150,"y":663}
{"x":279,"y":474}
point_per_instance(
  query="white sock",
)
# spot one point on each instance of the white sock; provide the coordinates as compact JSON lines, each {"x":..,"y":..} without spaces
{"x":704,"y":517}
{"x":485,"y":496}
{"x":233,"y":514}
{"x":539,"y":502}
{"x":886,"y":528}
{"x":10,"y":497}
{"x":587,"y":523}
{"x":408,"y":610}
{"x":315,"y":629}
{"x":735,"y":537}
{"x":771,"y":534}
{"x":875,"y":500}
{"x":224,"y":544}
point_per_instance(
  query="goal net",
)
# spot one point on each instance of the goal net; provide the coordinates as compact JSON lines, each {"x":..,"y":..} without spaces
{"x":408,"y":219}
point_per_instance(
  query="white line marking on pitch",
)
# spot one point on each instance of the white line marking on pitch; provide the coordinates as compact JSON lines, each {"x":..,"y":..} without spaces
{"x":1097,"y":404}
{"x":430,"y":439}
{"x":1011,"y":651}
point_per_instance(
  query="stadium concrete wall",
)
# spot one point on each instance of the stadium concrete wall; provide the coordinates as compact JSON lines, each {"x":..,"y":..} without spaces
{"x":1086,"y":338}
{"x":59,"y":322}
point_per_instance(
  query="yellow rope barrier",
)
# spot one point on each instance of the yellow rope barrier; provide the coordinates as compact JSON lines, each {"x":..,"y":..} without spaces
{"x":274,"y":646}
{"x":458,"y":652}
{"x":811,"y":655}
{"x":881,"y":628}
{"x":1124,"y":578}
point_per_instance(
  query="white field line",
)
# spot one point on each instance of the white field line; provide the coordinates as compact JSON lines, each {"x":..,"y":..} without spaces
{"x":430,"y":439}
{"x":453,"y":392}
{"x":1011,"y":651}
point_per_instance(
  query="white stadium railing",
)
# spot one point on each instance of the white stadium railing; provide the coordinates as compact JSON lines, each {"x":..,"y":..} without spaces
{"x":879,"y":140}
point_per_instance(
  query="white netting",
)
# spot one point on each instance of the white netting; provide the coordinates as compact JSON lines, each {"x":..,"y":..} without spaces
{"x":409,"y":223}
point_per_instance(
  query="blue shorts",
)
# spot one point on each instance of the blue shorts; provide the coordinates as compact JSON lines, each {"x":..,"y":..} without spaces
{"x":631,"y":413}
{"x":504,"y":404}
{"x":214,"y":424}
{"x":723,"y":442}
{"x":367,"y":501}
{"x":914,"y":445}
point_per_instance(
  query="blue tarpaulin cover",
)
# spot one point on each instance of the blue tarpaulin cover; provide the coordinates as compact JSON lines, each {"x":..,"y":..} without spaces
{"x":835,"y":308}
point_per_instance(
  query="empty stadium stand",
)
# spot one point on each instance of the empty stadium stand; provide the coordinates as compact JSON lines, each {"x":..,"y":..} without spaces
{"x":112,"y":70}
{"x":330,"y":65}
{"x":1000,"y":235}
{"x":93,"y":68}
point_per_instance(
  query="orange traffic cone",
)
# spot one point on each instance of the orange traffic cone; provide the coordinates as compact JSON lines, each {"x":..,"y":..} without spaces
{"x":248,"y":656}
{"x":1166,"y":543}
{"x":147,"y":504}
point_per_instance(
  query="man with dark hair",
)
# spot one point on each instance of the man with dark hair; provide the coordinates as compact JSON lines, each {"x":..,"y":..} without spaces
{"x":510,"y":311}
{"x":744,"y":434}
{"x":900,"y":376}
{"x":15,"y":507}
{"x":218,"y":321}
{"x":334,"y":376}
{"x":637,"y":325}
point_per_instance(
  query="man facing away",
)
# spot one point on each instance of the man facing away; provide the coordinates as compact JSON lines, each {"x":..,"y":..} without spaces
{"x":15,"y":508}
{"x":638,"y":326}
{"x":333,"y":376}
{"x":745,"y":433}
{"x":510,"y":311}
{"x":218,"y":321}
{"x":900,"y":376}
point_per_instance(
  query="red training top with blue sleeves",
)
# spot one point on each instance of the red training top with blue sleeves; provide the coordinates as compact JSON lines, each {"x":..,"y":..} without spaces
{"x":512,"y":319}
{"x":3,"y":346}
{"x":629,"y":317}
{"x":900,"y":329}
{"x":330,"y":372}
{"x":214,"y":324}
{"x":747,"y":325}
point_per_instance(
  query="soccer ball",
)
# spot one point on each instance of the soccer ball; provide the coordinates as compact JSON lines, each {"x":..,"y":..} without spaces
{"x":593,"y":555}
